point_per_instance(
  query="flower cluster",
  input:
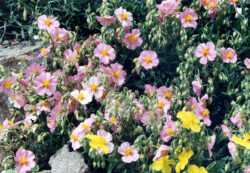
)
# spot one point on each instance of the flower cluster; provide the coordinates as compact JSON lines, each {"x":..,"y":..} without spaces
{"x":85,"y":92}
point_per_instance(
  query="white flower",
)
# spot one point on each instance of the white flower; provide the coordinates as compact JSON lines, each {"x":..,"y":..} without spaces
{"x":84,"y":97}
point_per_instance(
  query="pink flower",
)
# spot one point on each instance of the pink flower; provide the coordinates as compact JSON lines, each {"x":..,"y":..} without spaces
{"x":106,"y":20}
{"x":47,"y":23}
{"x":71,"y":56}
{"x":87,"y":125}
{"x":75,"y":137}
{"x":42,"y":106}
{"x":163,"y":104}
{"x":56,"y":110}
{"x":148,"y":59}
{"x":197,"y":86}
{"x":161,"y":152}
{"x":236,"y":120}
{"x":18,"y":100}
{"x":44,"y":52}
{"x":206,"y":51}
{"x":6,"y":85}
{"x":149,"y":89}
{"x":203,"y":114}
{"x":228,"y":55}
{"x":146,"y":117}
{"x":168,"y":131}
{"x":51,"y":123}
{"x":92,"y":86}
{"x":83,"y":96}
{"x":188,"y":18}
{"x":165,"y":92}
{"x":232,"y":148}
{"x":105,"y":53}
{"x":124,"y":17}
{"x":129,"y":153}
{"x":226,"y":131}
{"x":167,"y":7}
{"x":59,"y":34}
{"x":25,"y":160}
{"x":35,"y":69}
{"x":193,"y":103}
{"x":133,"y":40}
{"x":45,"y":83}
{"x":118,"y":74}
{"x":210,"y":145}
{"x":233,"y":2}
{"x":203,"y":100}
{"x":247,"y":170}
{"x":247,"y":62}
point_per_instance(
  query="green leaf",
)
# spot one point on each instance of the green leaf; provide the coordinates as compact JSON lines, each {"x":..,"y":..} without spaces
{"x":35,"y":169}
{"x":211,"y":165}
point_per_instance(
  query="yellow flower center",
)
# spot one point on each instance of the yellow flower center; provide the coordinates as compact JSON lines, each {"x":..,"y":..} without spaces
{"x":235,"y":1}
{"x":80,"y":96}
{"x":169,"y":132}
{"x":45,"y":104}
{"x":161,"y":105}
{"x":206,"y":2}
{"x":20,"y":75}
{"x":74,"y":137}
{"x":192,"y":107}
{"x":211,"y":4}
{"x":205,"y":113}
{"x":150,"y":93}
{"x":113,"y":119}
{"x":168,"y":95}
{"x":74,"y":58}
{"x":128,"y":152}
{"x":43,"y":50}
{"x":23,"y":161}
{"x":48,"y":22}
{"x":105,"y":52}
{"x":148,"y":60}
{"x":46,"y":83}
{"x":57,"y":38}
{"x":117,"y":74}
{"x":94,"y":87}
{"x":205,"y":52}
{"x":77,"y":50}
{"x":11,"y":122}
{"x":35,"y":71}
{"x":132,"y":38}
{"x":85,"y":127}
{"x":7,"y":84}
{"x":164,"y":152}
{"x":17,"y":100}
{"x":228,"y":55}
{"x":1,"y":127}
{"x":204,"y":103}
{"x":188,"y":18}
{"x":26,"y":126}
{"x":124,"y":16}
{"x":105,"y":19}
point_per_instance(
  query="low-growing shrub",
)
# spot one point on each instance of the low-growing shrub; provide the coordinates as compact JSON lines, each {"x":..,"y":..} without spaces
{"x":164,"y":88}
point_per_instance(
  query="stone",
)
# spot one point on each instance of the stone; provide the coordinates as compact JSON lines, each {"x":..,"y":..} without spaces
{"x":5,"y":42}
{"x":45,"y":171}
{"x":65,"y":161}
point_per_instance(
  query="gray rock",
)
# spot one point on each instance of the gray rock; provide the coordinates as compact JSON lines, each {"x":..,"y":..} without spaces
{"x":65,"y":161}
{"x":45,"y":171}
{"x":5,"y":42}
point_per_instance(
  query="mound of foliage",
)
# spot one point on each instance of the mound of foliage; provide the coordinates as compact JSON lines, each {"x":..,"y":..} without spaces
{"x":164,"y":86}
